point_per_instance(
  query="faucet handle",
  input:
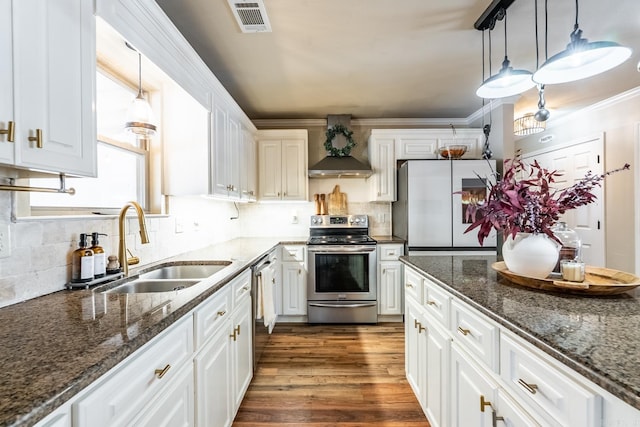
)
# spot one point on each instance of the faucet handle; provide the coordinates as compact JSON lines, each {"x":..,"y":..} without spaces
{"x":132,"y":260}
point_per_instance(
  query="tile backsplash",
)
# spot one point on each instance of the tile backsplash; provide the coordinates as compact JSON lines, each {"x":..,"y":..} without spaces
{"x":41,"y":248}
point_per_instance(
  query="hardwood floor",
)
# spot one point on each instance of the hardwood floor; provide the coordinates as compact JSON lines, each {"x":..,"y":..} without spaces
{"x":325,"y":375}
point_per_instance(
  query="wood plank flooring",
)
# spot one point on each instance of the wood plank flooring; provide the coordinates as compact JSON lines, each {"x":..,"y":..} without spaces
{"x":326,"y":375}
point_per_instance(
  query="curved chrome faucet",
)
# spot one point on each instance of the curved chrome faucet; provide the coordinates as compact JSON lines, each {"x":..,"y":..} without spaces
{"x":144,"y":237}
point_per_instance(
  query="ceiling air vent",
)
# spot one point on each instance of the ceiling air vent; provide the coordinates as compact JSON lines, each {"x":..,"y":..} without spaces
{"x":251,"y":16}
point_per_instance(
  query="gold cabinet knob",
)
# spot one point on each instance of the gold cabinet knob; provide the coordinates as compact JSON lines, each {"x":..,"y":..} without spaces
{"x":37,"y":139}
{"x":9,"y":131}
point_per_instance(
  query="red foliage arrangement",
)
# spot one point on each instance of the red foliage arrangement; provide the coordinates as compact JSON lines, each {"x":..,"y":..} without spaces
{"x":530,"y":204}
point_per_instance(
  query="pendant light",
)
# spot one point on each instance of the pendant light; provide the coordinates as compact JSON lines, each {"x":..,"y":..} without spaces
{"x":140,"y":117}
{"x":581,"y":59}
{"x":508,"y":81}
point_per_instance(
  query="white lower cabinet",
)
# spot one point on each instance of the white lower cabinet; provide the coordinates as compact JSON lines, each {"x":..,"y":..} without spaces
{"x":390,"y":295}
{"x":175,"y":405}
{"x":129,"y":388}
{"x":467,"y":370}
{"x":294,"y":281}
{"x":224,"y":363}
{"x":213,"y":382}
{"x":172,"y":382}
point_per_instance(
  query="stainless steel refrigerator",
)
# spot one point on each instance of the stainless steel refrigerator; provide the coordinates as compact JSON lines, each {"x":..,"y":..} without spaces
{"x":429,"y":215}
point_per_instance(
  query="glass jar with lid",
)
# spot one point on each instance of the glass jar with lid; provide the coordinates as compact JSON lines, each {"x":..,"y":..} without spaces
{"x":570,"y":241}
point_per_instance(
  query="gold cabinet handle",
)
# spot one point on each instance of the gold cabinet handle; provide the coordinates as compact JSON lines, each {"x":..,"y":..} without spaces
{"x":233,"y":335}
{"x":160,"y":372}
{"x":408,"y":285}
{"x":484,"y":403}
{"x":415,"y":323}
{"x":299,"y":272}
{"x":245,"y":288}
{"x":10,"y":131}
{"x":237,"y":330}
{"x":431,"y":302}
{"x":37,"y":139}
{"x":221,"y":313}
{"x":273,"y":280}
{"x":421,"y":328}
{"x":531,"y":388}
{"x":463,"y":331}
{"x":384,"y":271}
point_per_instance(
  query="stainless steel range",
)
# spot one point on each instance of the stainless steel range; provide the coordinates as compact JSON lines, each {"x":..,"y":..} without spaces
{"x":342,"y":270}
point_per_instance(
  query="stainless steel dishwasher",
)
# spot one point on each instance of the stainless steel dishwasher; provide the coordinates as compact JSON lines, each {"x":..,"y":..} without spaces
{"x":261,"y":332}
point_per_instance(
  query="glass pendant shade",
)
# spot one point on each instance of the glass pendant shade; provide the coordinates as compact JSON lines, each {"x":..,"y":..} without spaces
{"x":581,"y":59}
{"x":528,"y":125}
{"x":140,"y":117}
{"x":507,"y":82}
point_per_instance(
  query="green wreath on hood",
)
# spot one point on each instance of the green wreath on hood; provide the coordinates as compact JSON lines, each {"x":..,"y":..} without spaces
{"x":331,"y":134}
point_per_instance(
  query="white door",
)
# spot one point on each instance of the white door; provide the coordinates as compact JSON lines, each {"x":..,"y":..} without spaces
{"x":574,"y":162}
{"x":6,"y":82}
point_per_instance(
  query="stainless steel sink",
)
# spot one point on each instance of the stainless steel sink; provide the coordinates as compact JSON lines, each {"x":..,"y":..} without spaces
{"x":153,"y":285}
{"x":185,"y":271}
{"x":172,"y":276}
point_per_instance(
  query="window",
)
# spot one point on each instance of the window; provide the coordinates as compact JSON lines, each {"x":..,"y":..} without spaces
{"x":122,"y":164}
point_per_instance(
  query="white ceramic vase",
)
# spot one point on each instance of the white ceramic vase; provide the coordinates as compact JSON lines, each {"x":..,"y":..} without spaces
{"x":532,"y":255}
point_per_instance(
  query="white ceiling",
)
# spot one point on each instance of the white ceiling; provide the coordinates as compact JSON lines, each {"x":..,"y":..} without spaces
{"x":394,"y":59}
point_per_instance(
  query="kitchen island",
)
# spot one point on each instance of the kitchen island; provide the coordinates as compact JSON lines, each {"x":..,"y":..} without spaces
{"x":56,"y":345}
{"x":597,"y":337}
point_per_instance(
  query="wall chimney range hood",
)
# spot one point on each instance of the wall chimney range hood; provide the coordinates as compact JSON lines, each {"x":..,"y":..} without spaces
{"x":336,"y":166}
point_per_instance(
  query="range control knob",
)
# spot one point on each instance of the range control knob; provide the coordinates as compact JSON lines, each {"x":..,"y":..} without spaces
{"x":357,"y":220}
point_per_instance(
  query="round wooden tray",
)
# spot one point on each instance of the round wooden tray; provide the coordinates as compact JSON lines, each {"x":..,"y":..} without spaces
{"x":597,"y":281}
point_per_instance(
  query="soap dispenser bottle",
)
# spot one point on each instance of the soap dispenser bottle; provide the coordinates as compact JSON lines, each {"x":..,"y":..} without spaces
{"x":99,"y":257}
{"x":82,"y":263}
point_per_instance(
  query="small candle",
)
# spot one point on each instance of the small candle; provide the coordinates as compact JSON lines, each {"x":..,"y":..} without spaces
{"x":572,"y":270}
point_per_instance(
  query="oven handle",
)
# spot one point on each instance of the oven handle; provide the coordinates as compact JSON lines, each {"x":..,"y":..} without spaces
{"x":354,"y":305}
{"x":346,"y":248}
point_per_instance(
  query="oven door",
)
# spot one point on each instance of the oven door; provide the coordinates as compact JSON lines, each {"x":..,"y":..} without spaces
{"x":342,"y":273}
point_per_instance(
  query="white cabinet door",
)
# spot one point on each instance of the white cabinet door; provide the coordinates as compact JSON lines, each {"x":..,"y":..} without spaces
{"x":269,"y":169}
{"x":61,"y":417}
{"x":54,"y":66}
{"x":294,"y":172}
{"x":241,"y":351}
{"x":436,"y":390}
{"x":6,"y":83}
{"x":174,"y":407}
{"x":471,"y":389}
{"x":294,"y":289}
{"x":248,"y":167}
{"x":383,"y":180}
{"x":415,"y":350}
{"x":282,"y":165}
{"x":390,"y":287}
{"x":234,"y":143}
{"x":220,"y":164}
{"x":213,"y":381}
{"x":185,"y":141}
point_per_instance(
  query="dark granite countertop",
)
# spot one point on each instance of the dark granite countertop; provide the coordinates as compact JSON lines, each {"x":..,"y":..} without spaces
{"x":56,"y":345}
{"x":599,"y":337}
{"x":382,"y":239}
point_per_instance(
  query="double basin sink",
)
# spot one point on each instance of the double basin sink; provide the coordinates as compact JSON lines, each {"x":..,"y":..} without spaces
{"x":172,"y":276}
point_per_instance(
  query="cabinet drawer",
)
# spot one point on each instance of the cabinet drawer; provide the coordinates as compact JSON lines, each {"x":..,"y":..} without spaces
{"x":539,"y":383}
{"x":476,"y":334}
{"x":390,"y":252}
{"x":437,"y":302}
{"x":413,"y":284}
{"x":293,"y":253}
{"x":127,"y":388}
{"x":241,"y":287}
{"x":211,"y":314}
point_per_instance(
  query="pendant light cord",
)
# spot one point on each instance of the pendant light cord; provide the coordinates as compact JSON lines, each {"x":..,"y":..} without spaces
{"x":139,"y":74}
{"x":546,"y":30}
{"x":505,"y":35}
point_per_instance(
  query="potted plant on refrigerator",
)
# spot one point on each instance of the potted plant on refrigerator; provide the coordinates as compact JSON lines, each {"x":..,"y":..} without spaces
{"x":524,"y":205}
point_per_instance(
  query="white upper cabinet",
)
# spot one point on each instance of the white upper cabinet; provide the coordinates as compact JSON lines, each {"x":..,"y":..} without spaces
{"x":185,"y":143}
{"x":282,"y":164}
{"x":248,"y":167}
{"x":6,"y":85}
{"x":53,"y":85}
{"x":383,"y":180}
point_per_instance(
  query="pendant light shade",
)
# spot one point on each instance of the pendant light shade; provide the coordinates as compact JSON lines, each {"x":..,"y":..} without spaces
{"x":581,"y":59}
{"x":140,"y":116}
{"x":507,"y":82}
